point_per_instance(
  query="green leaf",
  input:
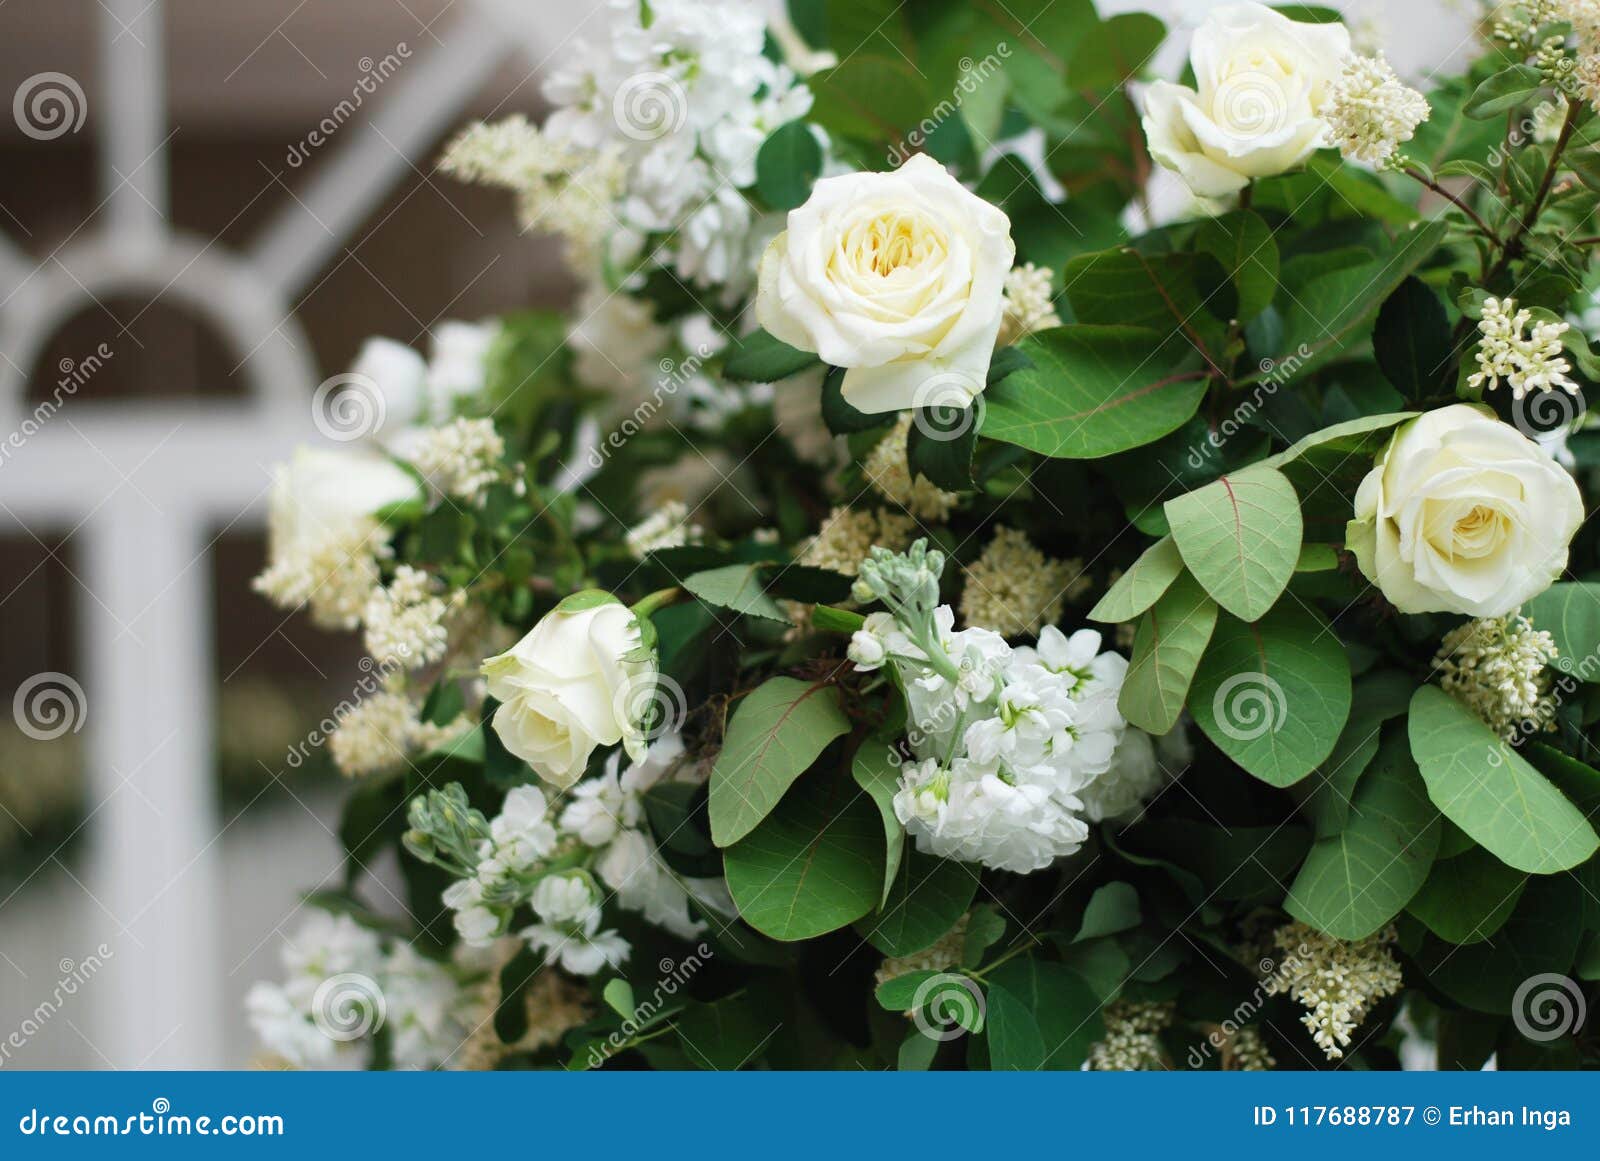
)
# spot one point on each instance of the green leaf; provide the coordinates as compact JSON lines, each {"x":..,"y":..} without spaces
{"x":1468,"y":898}
{"x":1571,"y":614}
{"x":618,"y":996}
{"x":839,"y":415}
{"x":1377,"y":698}
{"x":787,"y":165}
{"x":869,"y":98}
{"x":1411,"y":340}
{"x":984,"y":929}
{"x":1159,"y":292}
{"x":1167,"y":648}
{"x":899,"y":993}
{"x":1487,"y":789}
{"x":1540,"y":937}
{"x":1506,"y":90}
{"x":940,"y":445}
{"x":876,"y":771}
{"x":1331,"y":312}
{"x":1112,"y":908}
{"x":1240,"y":536}
{"x":1115,"y":50}
{"x":1061,"y":1010}
{"x":1142,"y":585}
{"x":1243,"y":244}
{"x":760,"y":358}
{"x":1353,"y":437}
{"x":775,"y":735}
{"x":1355,"y":881}
{"x":740,"y":587}
{"x":811,"y":867}
{"x":925,"y":899}
{"x":726,"y":1035}
{"x":1274,"y":695}
{"x":1093,"y":391}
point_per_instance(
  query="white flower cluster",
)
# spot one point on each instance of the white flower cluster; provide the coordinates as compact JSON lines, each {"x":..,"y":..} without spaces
{"x":1497,"y":667}
{"x":1029,"y":303}
{"x":562,"y":188}
{"x":562,"y":862}
{"x":412,"y":394}
{"x":1015,"y":589}
{"x":344,"y":982}
{"x":1337,"y":982}
{"x":1132,"y":1042}
{"x":460,"y":459}
{"x":686,"y":97}
{"x":1528,"y":362}
{"x":888,"y":470}
{"x":1005,"y":739}
{"x":667,"y":527}
{"x":1371,"y":112}
{"x":405,"y":622}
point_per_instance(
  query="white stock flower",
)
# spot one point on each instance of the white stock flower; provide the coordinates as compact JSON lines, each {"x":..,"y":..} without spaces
{"x":573,"y":683}
{"x":428,"y":1014}
{"x":897,"y":277}
{"x":1261,"y":80}
{"x":972,"y":814}
{"x":1463,"y":514}
{"x":323,"y":533}
{"x":569,"y":928}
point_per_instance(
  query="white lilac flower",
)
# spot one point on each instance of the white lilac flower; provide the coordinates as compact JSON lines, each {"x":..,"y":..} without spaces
{"x":562,"y":188}
{"x":888,"y":470}
{"x":1336,"y":981}
{"x":405,"y":621}
{"x":460,"y":459}
{"x":1029,"y":303}
{"x":1498,"y":667}
{"x":667,"y":527}
{"x":1371,"y":112}
{"x":849,"y":534}
{"x":1015,"y":589}
{"x":1132,"y":1042}
{"x":374,"y":736}
{"x":1528,"y":362}
{"x":522,"y":833}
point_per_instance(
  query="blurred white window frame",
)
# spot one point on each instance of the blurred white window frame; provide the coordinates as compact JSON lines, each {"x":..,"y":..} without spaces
{"x":147,"y":486}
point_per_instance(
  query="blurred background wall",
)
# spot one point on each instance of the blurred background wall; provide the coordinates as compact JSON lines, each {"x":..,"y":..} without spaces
{"x":157,"y":819}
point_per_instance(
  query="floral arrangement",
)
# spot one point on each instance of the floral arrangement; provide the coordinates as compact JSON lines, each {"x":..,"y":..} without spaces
{"x":1013,"y":562}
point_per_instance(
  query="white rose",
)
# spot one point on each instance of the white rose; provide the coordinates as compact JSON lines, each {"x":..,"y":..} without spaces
{"x":579,"y":679}
{"x":1463,"y":514}
{"x":1262,"y":79}
{"x":897,"y":277}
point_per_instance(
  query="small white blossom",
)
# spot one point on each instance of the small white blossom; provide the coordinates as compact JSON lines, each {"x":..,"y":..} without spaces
{"x":1371,"y":112}
{"x":1132,"y":1042}
{"x":1029,"y":303}
{"x":405,"y":621}
{"x":1337,"y":982}
{"x":376,"y":735}
{"x":667,"y":527}
{"x":1498,"y":667}
{"x":460,"y":459}
{"x":1528,"y":362}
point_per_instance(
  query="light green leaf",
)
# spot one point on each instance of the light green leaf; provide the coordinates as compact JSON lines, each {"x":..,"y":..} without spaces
{"x":1092,"y":391}
{"x":775,"y":735}
{"x":1504,"y":91}
{"x":1112,"y":908}
{"x":899,"y":993}
{"x":1377,"y":698}
{"x":1345,"y":436}
{"x":1468,"y":898}
{"x":1167,"y":648}
{"x":740,"y":587}
{"x":876,"y":772}
{"x":812,"y":866}
{"x":1355,"y":881}
{"x":1274,"y":695}
{"x":1571,"y":614}
{"x":1487,"y":789}
{"x":1240,"y":536}
{"x":1142,"y":585}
